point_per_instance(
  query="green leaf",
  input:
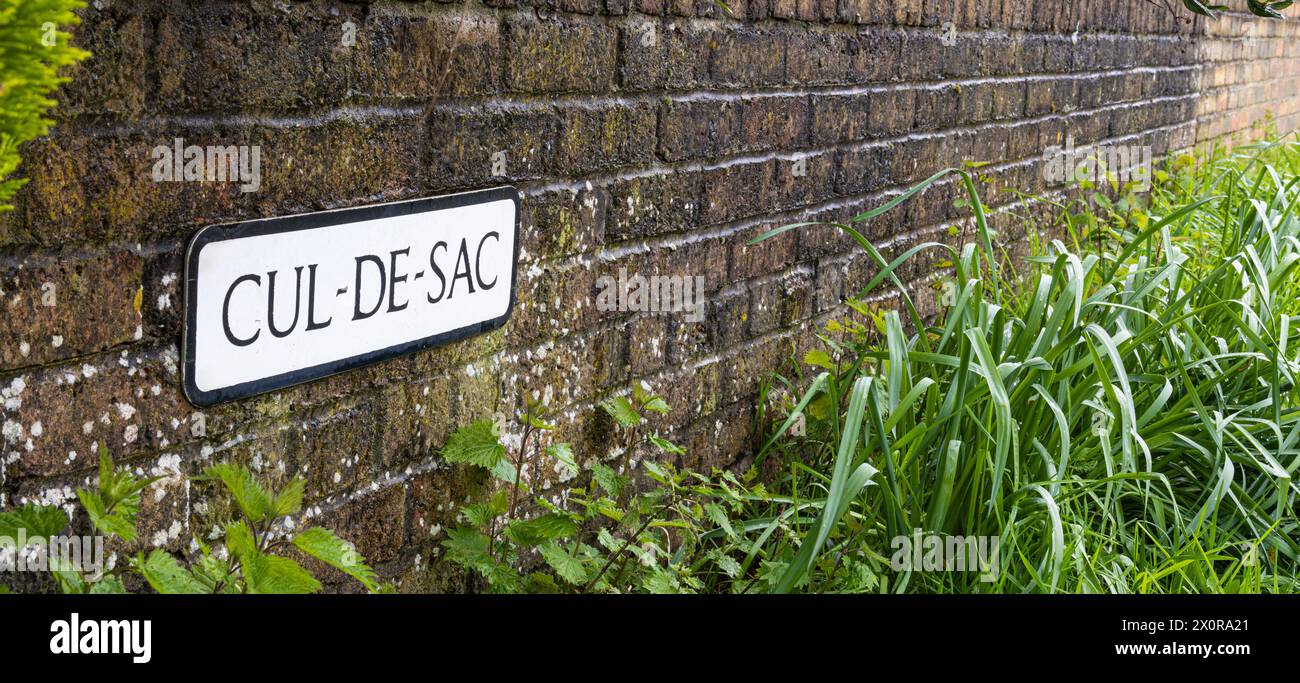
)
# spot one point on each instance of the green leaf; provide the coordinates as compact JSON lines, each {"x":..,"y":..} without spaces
{"x":566,"y":566}
{"x":541,"y":583}
{"x":505,"y":471}
{"x":272,"y":574}
{"x":665,"y":445}
{"x":37,"y":522}
{"x":727,"y":564}
{"x":608,"y":480}
{"x":323,"y":545}
{"x":656,"y":405}
{"x":120,"y":522}
{"x":619,"y":408}
{"x":109,"y":585}
{"x":1261,"y":9}
{"x":65,"y":574}
{"x":539,"y":530}
{"x":212,"y":571}
{"x":239,"y":540}
{"x":165,"y":574}
{"x":251,"y":497}
{"x":477,"y":444}
{"x":468,"y":547}
{"x":563,"y":453}
{"x":819,"y":358}
{"x":289,"y":501}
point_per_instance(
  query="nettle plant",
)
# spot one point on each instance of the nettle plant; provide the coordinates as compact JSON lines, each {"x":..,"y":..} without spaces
{"x":605,"y":537}
{"x":250,"y":558}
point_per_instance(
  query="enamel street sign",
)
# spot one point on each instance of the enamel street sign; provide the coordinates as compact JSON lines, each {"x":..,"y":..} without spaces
{"x":275,"y":302}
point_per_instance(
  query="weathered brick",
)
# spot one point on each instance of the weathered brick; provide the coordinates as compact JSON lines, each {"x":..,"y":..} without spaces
{"x":129,"y":401}
{"x":698,"y":129}
{"x":892,"y":111}
{"x":562,"y":222}
{"x":941,"y":107}
{"x":769,"y":256}
{"x":748,"y":58}
{"x":552,"y":300}
{"x":804,"y":180}
{"x":840,"y":118}
{"x":863,"y":169}
{"x":113,"y":80}
{"x":876,"y":56}
{"x":59,"y":306}
{"x":602,"y":138}
{"x":768,"y":123}
{"x":559,"y":56}
{"x":97,"y":188}
{"x":817,"y":57}
{"x":418,"y":57}
{"x":736,"y":191}
{"x":654,"y":204}
{"x":480,"y":146}
{"x":374,"y":522}
{"x":213,"y":57}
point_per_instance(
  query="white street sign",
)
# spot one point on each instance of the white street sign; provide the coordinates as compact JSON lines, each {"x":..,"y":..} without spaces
{"x":275,"y":302}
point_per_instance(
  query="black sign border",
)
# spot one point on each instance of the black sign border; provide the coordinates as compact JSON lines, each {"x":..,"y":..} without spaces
{"x":324,"y":219}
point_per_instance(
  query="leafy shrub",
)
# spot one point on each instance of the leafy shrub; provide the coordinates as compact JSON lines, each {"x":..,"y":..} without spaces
{"x":249,"y":561}
{"x":32,"y":51}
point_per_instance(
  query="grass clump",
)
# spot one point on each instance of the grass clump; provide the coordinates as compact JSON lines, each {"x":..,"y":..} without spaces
{"x":1122,"y":418}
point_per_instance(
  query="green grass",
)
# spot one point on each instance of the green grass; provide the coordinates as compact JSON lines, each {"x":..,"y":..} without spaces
{"x":1124,"y":416}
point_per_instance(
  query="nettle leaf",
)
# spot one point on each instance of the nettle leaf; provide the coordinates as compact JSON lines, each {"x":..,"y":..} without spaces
{"x":539,"y":530}
{"x":289,"y":500}
{"x":607,"y":540}
{"x":251,"y":497}
{"x":478,"y":514}
{"x":607,"y":479}
{"x":566,"y":566}
{"x":662,"y":582}
{"x":38,"y":522}
{"x":641,"y":392}
{"x":477,"y":444}
{"x":212,"y":571}
{"x":656,"y":405}
{"x":165,"y":574}
{"x":239,"y":540}
{"x":819,"y":358}
{"x":657,"y":471}
{"x":619,"y":408}
{"x":272,"y":574}
{"x":563,"y":453}
{"x":505,"y":471}
{"x":468,"y":547}
{"x":323,"y":545}
{"x":66,"y":575}
{"x":120,"y":522}
{"x":719,"y":517}
{"x":541,"y":583}
{"x":536,"y":422}
{"x":109,"y":585}
{"x":119,"y":488}
{"x":665,"y":445}
{"x":727,"y":564}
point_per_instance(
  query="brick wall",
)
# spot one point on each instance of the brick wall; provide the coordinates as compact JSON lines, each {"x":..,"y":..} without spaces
{"x":654,"y":136}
